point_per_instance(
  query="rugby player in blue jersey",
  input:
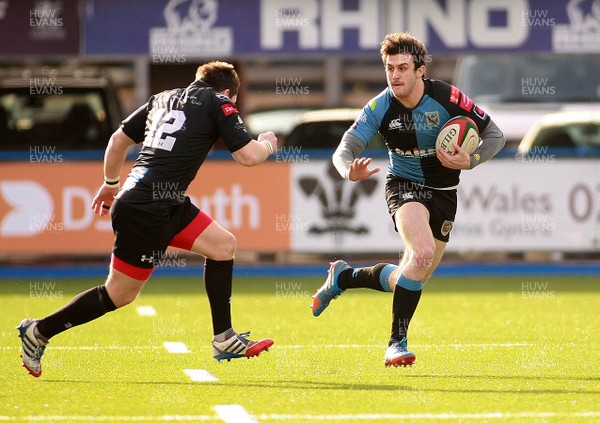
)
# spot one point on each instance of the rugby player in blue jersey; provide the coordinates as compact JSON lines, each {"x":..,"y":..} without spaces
{"x":421,"y":181}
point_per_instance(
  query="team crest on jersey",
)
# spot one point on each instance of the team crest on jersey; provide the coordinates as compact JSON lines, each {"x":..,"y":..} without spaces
{"x":228,"y":109}
{"x":432,"y":118}
{"x":446,"y":227}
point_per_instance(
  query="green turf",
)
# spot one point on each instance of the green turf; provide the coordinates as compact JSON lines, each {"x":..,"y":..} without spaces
{"x":319,"y":367}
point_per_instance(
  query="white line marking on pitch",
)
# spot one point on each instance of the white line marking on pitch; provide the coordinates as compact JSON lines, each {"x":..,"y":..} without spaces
{"x":94,"y":347}
{"x":282,"y":417}
{"x":430,"y":416}
{"x":146,"y":311}
{"x":164,"y":418}
{"x":507,"y":345}
{"x":234,"y":414}
{"x":200,"y":375}
{"x":176,"y":347}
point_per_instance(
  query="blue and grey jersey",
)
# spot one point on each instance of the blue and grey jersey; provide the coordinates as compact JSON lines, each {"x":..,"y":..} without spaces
{"x":410,"y":134}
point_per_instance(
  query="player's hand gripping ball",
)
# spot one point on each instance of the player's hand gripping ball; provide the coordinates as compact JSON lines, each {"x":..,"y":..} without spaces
{"x":459,"y":129}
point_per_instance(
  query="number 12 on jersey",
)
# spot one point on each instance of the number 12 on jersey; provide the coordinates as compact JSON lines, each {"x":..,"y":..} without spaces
{"x":163,"y":125}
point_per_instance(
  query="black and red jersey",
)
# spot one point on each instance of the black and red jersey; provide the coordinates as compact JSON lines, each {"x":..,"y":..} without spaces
{"x":178,"y":128}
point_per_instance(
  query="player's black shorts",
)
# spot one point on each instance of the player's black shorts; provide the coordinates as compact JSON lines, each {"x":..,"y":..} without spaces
{"x":142,"y":235}
{"x":440,"y":203}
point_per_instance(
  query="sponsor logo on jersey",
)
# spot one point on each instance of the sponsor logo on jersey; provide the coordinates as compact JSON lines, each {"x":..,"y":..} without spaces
{"x":229,"y":109}
{"x":222,"y":97}
{"x":148,"y":259}
{"x":416,"y":152}
{"x":395,"y":124}
{"x":408,"y":196}
{"x":479,"y":112}
{"x":446,"y":227}
{"x":432,"y":118}
{"x":466,"y":103}
{"x":454,"y":94}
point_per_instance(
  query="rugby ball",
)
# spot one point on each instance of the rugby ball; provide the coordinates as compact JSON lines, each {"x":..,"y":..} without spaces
{"x":461,"y":129}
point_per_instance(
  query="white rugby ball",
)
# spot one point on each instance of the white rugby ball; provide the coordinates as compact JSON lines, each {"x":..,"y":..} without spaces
{"x":463,"y":131}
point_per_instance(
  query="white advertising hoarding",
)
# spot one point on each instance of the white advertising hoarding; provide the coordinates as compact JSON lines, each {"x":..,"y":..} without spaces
{"x":546,"y":204}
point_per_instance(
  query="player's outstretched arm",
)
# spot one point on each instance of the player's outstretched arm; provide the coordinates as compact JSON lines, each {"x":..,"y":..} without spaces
{"x":346,"y":162}
{"x":114,"y":157}
{"x":256,"y":151}
{"x":359,"y":169}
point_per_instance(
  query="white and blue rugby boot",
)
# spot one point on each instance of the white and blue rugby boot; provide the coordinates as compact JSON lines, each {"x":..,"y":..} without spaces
{"x":330,"y":289}
{"x":397,"y":354}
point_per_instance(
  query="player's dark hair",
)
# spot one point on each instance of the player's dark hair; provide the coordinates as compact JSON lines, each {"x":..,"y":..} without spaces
{"x":404,"y":43}
{"x":220,"y":76}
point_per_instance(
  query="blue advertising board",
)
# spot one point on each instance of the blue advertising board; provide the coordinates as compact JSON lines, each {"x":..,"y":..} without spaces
{"x":207,"y":28}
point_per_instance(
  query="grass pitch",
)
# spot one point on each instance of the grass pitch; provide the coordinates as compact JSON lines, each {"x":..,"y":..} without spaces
{"x":488,"y":349}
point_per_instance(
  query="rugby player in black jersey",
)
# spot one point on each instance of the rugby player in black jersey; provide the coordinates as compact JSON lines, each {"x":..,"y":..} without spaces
{"x":421,"y":181}
{"x":151,"y":211}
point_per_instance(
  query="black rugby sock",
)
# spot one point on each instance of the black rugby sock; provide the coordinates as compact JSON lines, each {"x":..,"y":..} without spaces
{"x":84,"y":307}
{"x":406,"y":298}
{"x":217,"y":282}
{"x":374,"y":277}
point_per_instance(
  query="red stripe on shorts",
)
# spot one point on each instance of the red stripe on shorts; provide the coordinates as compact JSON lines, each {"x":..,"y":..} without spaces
{"x":185,"y":239}
{"x":139,"y":273}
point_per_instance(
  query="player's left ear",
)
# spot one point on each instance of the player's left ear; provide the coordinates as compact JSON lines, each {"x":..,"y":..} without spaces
{"x":421,"y":71}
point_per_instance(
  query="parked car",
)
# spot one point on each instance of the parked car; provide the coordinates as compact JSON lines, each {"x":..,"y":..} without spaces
{"x":517,"y":90}
{"x":280,"y":121}
{"x":71,"y":111}
{"x":565,"y":133}
{"x":323,"y":129}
